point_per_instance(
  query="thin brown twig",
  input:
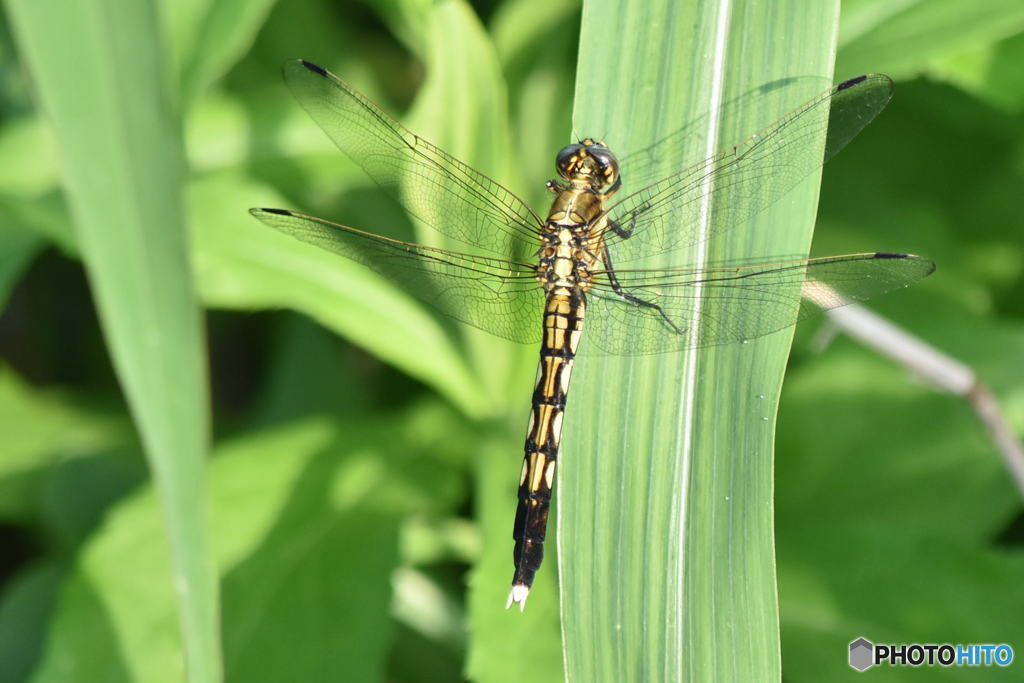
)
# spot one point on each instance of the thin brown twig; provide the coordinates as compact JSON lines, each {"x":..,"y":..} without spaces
{"x":939,"y":369}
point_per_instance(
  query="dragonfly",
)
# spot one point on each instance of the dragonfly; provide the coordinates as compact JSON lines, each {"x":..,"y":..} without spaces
{"x":534,"y":280}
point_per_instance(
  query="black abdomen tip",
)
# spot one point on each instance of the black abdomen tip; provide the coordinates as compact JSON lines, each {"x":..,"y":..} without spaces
{"x":314,"y":68}
{"x":850,"y":83}
{"x":889,"y":254}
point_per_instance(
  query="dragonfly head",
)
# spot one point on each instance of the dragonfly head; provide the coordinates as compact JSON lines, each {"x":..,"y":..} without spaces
{"x":588,"y":164}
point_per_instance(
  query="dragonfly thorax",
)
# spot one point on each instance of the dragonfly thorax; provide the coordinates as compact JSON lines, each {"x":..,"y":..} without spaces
{"x":588,"y":164}
{"x":571,"y":247}
{"x":566,"y":259}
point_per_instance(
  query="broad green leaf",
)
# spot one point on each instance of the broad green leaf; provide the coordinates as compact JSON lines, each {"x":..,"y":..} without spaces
{"x":241,"y":264}
{"x":409,"y":21}
{"x":989,"y":72}
{"x":860,"y":17}
{"x":62,"y":465}
{"x":220,"y":135}
{"x":18,"y":247}
{"x":888,"y":493}
{"x":890,"y":497}
{"x":24,"y":617}
{"x":308,"y":599}
{"x":27,"y":146}
{"x":103,"y":84}
{"x":507,"y":645}
{"x":904,"y":39}
{"x":824,"y":610}
{"x":665,"y":522}
{"x":32,"y":221}
{"x":914,"y":471}
{"x":307,"y":519}
{"x":42,"y":430}
{"x":309,"y":375}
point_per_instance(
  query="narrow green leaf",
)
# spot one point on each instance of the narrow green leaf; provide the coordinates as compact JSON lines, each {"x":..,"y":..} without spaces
{"x":518,"y":25}
{"x":102,"y":82}
{"x":539,"y":63}
{"x":463,"y":109}
{"x":665,"y":524}
{"x":222,"y":35}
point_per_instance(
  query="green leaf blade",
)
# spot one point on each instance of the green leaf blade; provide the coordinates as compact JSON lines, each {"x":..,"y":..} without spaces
{"x":665,"y":523}
{"x":103,"y":83}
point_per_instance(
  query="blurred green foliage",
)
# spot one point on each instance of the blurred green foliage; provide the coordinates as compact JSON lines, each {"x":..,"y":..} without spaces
{"x":366,"y":452}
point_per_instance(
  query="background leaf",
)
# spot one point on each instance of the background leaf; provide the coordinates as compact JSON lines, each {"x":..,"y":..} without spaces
{"x":122,"y":165}
{"x":905,"y":39}
{"x":285,"y":555}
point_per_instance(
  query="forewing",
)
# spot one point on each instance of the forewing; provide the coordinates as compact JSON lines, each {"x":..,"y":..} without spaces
{"x":708,"y":307}
{"x":724,"y":191}
{"x":646,"y":165}
{"x":498,"y":296}
{"x":435,"y":187}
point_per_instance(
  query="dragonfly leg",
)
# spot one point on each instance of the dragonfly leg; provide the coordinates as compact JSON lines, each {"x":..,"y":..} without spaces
{"x":623,"y":232}
{"x":635,"y":300}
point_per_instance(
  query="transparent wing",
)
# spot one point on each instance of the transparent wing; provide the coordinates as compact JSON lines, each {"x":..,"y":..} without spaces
{"x":440,"y":190}
{"x":498,"y":296}
{"x":646,"y":165}
{"x":673,"y":310}
{"x":678,"y":211}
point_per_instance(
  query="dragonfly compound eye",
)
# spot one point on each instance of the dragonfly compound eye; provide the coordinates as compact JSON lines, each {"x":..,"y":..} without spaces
{"x":588,"y":162}
{"x":607,"y":166}
{"x":569,"y":160}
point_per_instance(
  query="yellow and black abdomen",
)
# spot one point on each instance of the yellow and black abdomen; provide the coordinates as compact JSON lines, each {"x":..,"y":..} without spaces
{"x":566,"y":259}
{"x":563,"y":323}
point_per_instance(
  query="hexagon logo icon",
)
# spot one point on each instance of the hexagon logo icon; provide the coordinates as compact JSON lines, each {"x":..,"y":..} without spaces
{"x":862,"y":653}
